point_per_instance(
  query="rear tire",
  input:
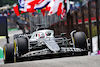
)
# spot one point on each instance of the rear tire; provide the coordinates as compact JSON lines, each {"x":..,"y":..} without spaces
{"x":22,"y":44}
{"x":80,"y":41}
{"x":8,"y":53}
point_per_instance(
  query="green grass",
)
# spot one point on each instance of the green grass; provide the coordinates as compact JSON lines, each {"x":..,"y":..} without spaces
{"x":12,"y":29}
{"x":94,"y":30}
{"x":1,"y":54}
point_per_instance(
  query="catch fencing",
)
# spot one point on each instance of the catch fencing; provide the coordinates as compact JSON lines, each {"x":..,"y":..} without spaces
{"x":86,"y":19}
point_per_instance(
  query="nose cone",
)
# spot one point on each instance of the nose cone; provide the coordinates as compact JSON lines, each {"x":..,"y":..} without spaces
{"x":52,"y":45}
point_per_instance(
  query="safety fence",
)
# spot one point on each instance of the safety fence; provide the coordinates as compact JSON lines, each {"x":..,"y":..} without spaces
{"x":85,"y":19}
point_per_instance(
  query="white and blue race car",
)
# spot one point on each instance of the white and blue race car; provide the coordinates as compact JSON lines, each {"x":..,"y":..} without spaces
{"x":43,"y":42}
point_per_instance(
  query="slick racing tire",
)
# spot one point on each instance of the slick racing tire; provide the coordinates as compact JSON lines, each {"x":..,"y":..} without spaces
{"x":8,"y":51}
{"x":80,"y":40}
{"x":22,"y":44}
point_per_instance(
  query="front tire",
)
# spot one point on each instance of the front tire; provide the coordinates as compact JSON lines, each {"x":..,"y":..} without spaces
{"x":22,"y":44}
{"x":8,"y":51}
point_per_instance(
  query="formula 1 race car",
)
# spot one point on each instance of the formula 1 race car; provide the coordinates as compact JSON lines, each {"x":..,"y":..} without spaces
{"x":43,"y":42}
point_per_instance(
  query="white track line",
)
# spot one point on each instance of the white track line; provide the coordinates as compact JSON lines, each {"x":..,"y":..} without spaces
{"x":1,"y":59}
{"x":5,"y":36}
{"x":1,"y":48}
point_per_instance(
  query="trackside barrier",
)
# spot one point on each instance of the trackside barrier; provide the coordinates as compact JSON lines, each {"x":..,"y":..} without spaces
{"x":79,"y":20}
{"x":4,"y":27}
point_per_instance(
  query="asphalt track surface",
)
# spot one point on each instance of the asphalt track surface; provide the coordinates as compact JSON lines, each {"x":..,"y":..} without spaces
{"x":79,"y":61}
{"x":76,"y":61}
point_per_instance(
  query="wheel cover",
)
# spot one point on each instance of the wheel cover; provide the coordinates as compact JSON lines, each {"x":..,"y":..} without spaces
{"x":14,"y":51}
{"x":4,"y":55}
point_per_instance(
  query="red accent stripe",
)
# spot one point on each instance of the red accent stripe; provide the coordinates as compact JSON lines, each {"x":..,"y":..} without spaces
{"x":86,"y":19}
